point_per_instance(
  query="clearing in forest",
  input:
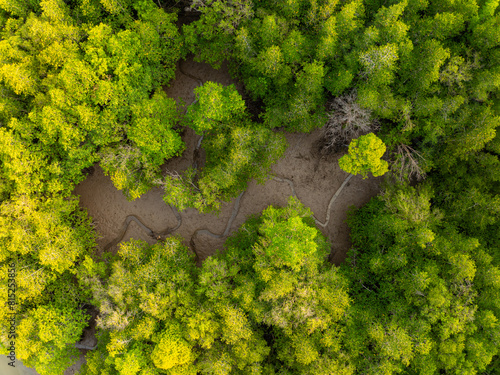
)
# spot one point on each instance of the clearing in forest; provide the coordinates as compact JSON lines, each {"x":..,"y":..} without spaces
{"x":315,"y":180}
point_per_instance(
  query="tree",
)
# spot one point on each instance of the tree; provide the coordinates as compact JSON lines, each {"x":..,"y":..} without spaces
{"x":209,"y":37}
{"x":274,"y":268}
{"x":346,"y":120}
{"x":43,"y":337}
{"x":143,"y":295}
{"x":81,"y":82}
{"x":364,"y":156}
{"x":379,"y":63}
{"x":42,"y":241}
{"x":277,"y":55}
{"x":214,"y":104}
{"x":259,"y":306}
{"x":129,"y":169}
{"x":173,"y":351}
{"x":74,"y":80}
{"x":304,"y":109}
{"x":237,"y":150}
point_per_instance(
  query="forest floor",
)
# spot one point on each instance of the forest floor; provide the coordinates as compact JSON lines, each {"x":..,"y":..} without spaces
{"x":315,"y":179}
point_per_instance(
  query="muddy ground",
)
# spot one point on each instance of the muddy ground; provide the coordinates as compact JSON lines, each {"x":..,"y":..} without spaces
{"x":315,"y":178}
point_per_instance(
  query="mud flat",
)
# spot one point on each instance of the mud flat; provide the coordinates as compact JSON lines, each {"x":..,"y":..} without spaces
{"x":315,"y":179}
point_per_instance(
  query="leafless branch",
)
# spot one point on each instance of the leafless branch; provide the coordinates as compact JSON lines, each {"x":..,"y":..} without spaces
{"x":346,"y":121}
{"x":408,"y":164}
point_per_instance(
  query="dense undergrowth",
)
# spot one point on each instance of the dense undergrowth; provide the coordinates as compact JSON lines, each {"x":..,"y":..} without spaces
{"x":81,"y":82}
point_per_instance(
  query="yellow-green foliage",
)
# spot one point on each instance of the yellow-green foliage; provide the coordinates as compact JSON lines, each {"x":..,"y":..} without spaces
{"x":146,"y":293}
{"x":172,"y":351}
{"x":44,"y":338}
{"x":82,"y":81}
{"x":281,"y":281}
{"x":215,"y":103}
{"x":41,"y":240}
{"x":364,"y":156}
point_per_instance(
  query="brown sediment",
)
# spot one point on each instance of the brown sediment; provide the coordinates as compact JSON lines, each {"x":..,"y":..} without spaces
{"x":315,"y":179}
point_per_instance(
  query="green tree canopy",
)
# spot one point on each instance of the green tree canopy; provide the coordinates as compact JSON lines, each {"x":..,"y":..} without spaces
{"x":279,"y":276}
{"x":143,"y":295}
{"x":41,"y":242}
{"x":364,"y":156}
{"x":418,"y":283}
{"x":237,"y":149}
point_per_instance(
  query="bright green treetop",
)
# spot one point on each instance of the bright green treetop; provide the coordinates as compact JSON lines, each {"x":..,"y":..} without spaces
{"x":364,"y":156}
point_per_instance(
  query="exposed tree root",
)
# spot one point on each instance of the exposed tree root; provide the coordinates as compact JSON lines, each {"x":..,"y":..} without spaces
{"x":236,"y":209}
{"x":197,"y":79}
{"x":168,"y":231}
{"x":332,"y":200}
{"x":155,"y":235}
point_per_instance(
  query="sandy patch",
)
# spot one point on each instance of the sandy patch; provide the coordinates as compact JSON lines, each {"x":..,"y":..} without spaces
{"x":17,"y":369}
{"x":109,"y":208}
{"x":20,"y":369}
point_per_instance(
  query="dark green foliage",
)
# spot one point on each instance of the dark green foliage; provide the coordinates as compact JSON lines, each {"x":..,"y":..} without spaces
{"x":276,"y":56}
{"x":469,"y":194}
{"x":430,"y":70}
{"x":419,"y":287}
